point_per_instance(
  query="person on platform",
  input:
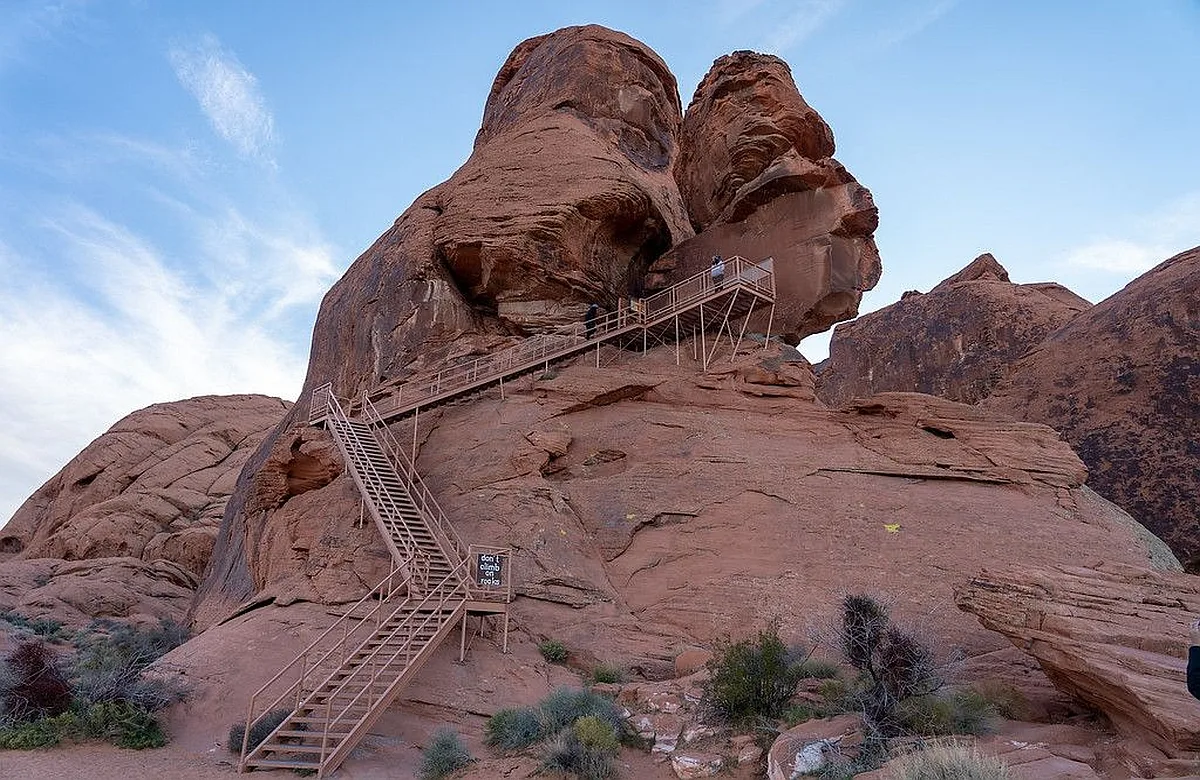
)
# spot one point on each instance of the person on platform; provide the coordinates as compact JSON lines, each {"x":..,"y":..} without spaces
{"x":717,"y":272}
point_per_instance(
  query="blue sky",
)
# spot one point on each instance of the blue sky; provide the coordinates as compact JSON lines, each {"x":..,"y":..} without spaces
{"x":181,"y":182}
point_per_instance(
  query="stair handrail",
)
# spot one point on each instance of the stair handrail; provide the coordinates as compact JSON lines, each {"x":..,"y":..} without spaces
{"x":340,"y":418}
{"x":405,"y":631}
{"x":382,"y":593}
{"x":419,"y":492}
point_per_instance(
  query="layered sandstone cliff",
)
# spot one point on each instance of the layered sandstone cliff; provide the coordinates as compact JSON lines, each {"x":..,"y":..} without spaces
{"x":956,"y":341}
{"x":127,"y":527}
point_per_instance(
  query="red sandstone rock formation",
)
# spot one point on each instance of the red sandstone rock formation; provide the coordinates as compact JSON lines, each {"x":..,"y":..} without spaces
{"x":1113,"y":636}
{"x":153,"y":486}
{"x":956,"y":341}
{"x":1122,"y":383}
{"x":126,"y":528}
{"x":756,"y":171}
{"x":568,"y":197}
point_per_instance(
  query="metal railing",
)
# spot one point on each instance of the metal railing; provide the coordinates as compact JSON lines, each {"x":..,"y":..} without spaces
{"x":427,"y":506}
{"x":315,"y":664}
{"x":640,"y":313}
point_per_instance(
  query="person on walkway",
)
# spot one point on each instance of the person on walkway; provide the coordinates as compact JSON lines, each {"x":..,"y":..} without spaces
{"x":1193,"y":667}
{"x":589,"y":320}
{"x":717,"y":271}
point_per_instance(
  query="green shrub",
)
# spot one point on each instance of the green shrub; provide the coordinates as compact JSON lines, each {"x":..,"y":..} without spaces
{"x":553,"y":651}
{"x":817,"y":669}
{"x":942,"y":714}
{"x":752,"y":678}
{"x":837,"y":697}
{"x":261,"y":729}
{"x":566,"y":705}
{"x":595,"y":733}
{"x":566,"y":753}
{"x":446,"y":754}
{"x":44,"y":627}
{"x":1009,"y":701}
{"x":949,"y":762}
{"x":608,"y":673}
{"x":120,"y":723}
{"x":513,"y":729}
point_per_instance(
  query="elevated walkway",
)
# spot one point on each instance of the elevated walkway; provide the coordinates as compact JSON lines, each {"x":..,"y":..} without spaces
{"x":694,"y":307}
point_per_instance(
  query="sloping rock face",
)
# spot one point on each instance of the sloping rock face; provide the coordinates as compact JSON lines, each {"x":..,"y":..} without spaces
{"x":757,"y":173}
{"x":152,"y":487}
{"x":957,"y":341}
{"x":125,"y":530}
{"x":1112,"y":635}
{"x":1122,"y":383}
{"x":569,"y":197}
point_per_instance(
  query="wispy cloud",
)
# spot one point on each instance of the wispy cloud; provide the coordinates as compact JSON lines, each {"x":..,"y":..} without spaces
{"x":118,"y":328}
{"x":1150,"y":240}
{"x":920,"y":17}
{"x":228,"y":95}
{"x":24,"y":24}
{"x":808,"y":17}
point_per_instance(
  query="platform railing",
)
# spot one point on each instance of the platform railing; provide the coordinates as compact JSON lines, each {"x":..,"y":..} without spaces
{"x":739,"y":273}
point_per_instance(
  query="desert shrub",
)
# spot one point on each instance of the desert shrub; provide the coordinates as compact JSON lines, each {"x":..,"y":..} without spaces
{"x":260,"y":730}
{"x":553,"y":651}
{"x":513,"y":729}
{"x":112,"y":656}
{"x":120,"y":723}
{"x":567,"y":753}
{"x":941,"y":761}
{"x":45,"y":627}
{"x":446,"y":754}
{"x":1008,"y":701}
{"x":608,"y":673}
{"x":837,"y":697}
{"x":596,"y":733}
{"x":893,"y":664}
{"x":817,"y":669}
{"x":34,"y":683}
{"x":941,"y":714}
{"x":566,"y":705}
{"x":752,"y":678}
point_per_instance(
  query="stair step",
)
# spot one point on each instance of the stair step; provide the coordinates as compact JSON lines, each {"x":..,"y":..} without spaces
{"x":273,"y":748}
{"x":279,"y":763}
{"x":301,"y":734}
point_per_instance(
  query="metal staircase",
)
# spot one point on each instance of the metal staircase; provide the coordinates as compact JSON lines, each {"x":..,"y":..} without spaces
{"x":321,"y":704}
{"x":317,"y":708}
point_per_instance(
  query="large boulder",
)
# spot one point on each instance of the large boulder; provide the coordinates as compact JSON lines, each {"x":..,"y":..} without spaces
{"x":1121,"y":381}
{"x":956,"y":341}
{"x":1109,"y":634}
{"x":758,"y":176}
{"x":152,"y":487}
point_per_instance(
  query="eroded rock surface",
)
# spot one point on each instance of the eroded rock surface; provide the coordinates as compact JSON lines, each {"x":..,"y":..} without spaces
{"x":152,"y":487}
{"x":756,"y":170}
{"x":1111,"y":635}
{"x":957,"y":341}
{"x":1122,"y":383}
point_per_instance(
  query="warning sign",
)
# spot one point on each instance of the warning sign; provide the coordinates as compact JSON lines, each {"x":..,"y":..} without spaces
{"x":489,"y":570}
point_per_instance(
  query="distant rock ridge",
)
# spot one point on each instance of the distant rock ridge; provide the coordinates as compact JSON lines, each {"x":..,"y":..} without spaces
{"x":957,"y":341}
{"x":1120,"y":380}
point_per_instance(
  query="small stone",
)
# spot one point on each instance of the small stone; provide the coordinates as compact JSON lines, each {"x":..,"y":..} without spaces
{"x":692,"y":765}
